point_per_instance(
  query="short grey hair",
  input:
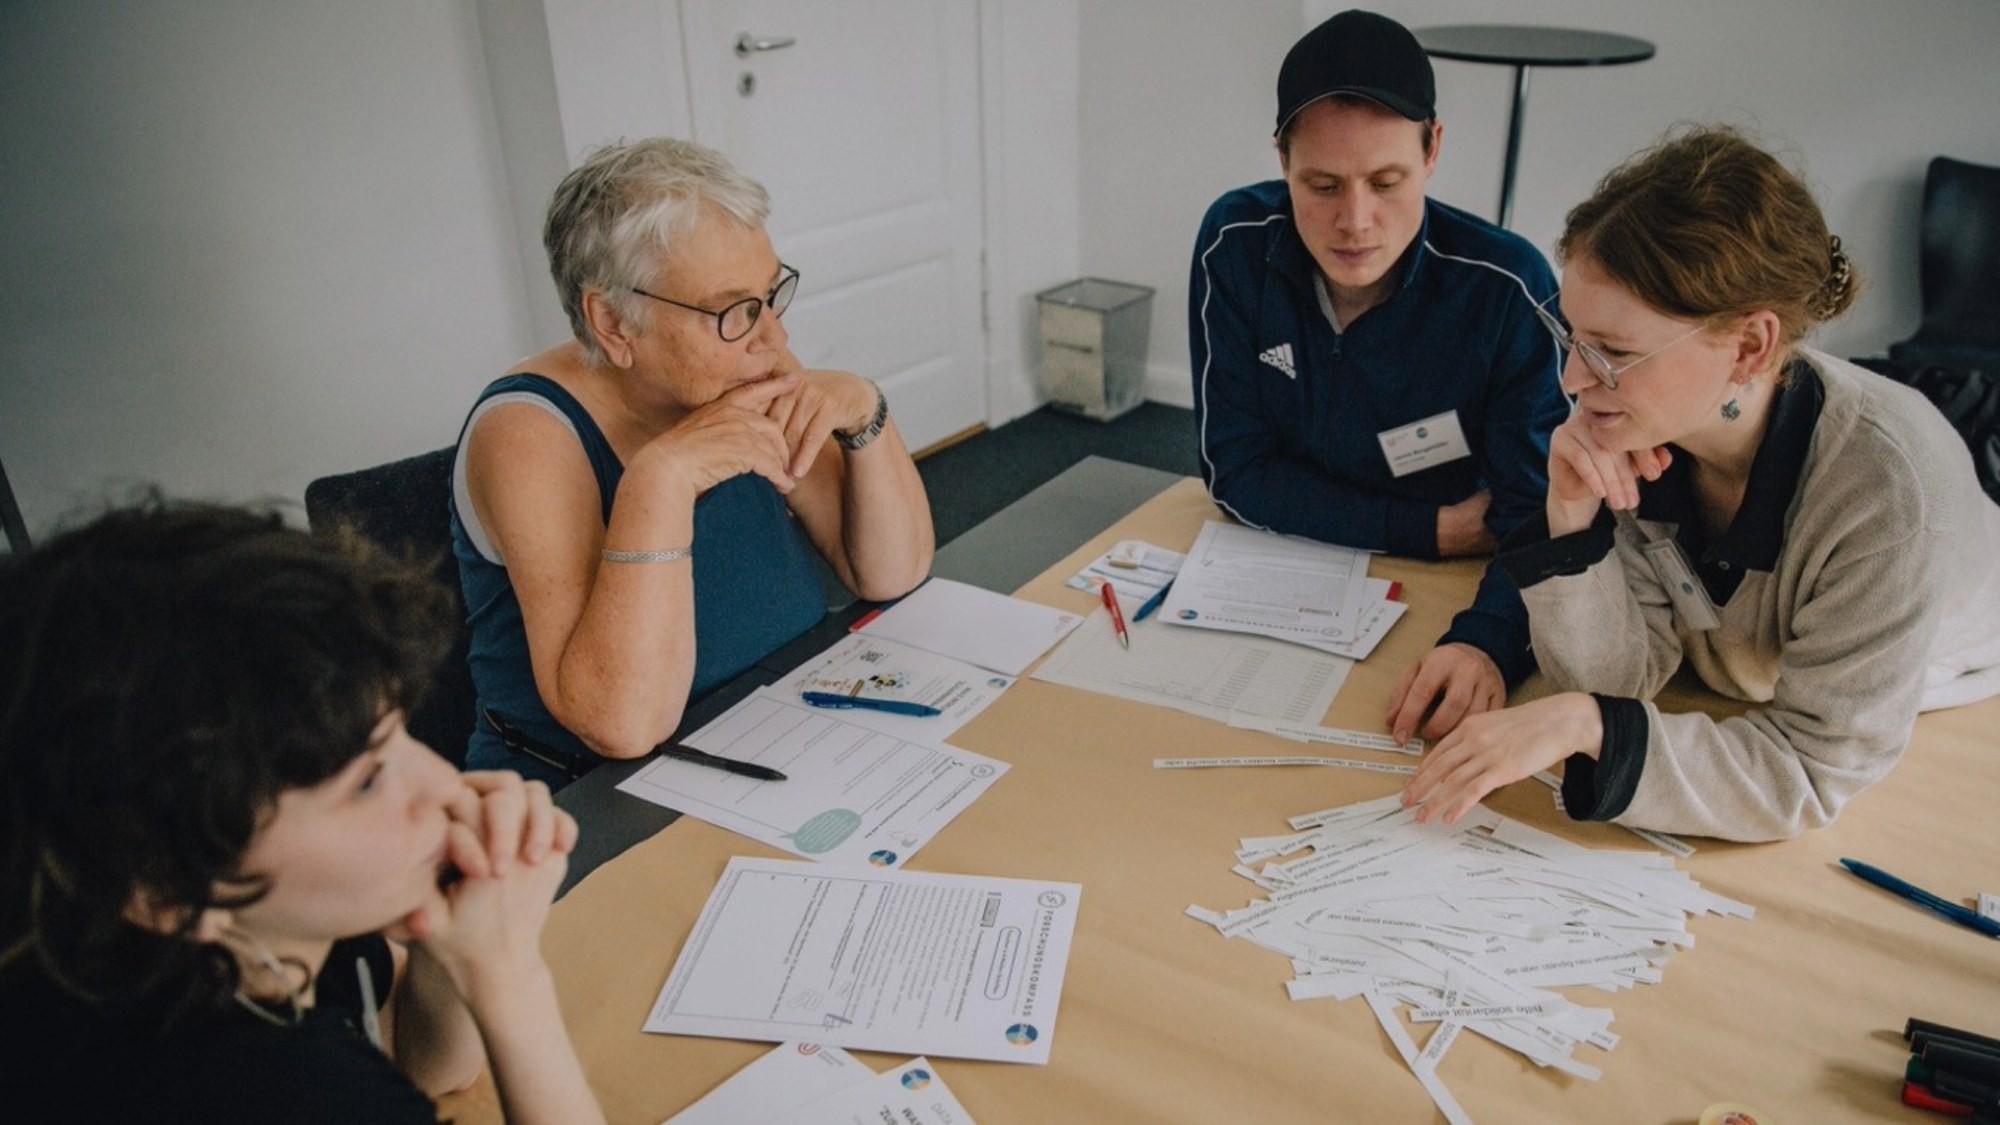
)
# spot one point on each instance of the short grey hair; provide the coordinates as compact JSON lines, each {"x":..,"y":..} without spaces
{"x":616,"y":216}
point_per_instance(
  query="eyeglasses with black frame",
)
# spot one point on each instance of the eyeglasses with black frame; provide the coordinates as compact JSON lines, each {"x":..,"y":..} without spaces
{"x":735,"y":320}
{"x":1594,"y":360}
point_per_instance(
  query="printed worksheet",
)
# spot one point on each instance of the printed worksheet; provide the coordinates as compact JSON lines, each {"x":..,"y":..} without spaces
{"x":993,"y":631}
{"x":881,"y":960}
{"x":1135,"y":569}
{"x":1243,"y":580}
{"x":790,"y":1077}
{"x":869,"y":670}
{"x":911,"y":1094}
{"x":1214,"y":675}
{"x":852,"y":794}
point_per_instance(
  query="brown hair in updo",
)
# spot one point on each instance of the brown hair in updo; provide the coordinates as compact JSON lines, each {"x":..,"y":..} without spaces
{"x":1705,"y":226}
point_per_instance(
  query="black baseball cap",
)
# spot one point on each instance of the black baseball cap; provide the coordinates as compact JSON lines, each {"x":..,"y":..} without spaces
{"x":1358,"y":52}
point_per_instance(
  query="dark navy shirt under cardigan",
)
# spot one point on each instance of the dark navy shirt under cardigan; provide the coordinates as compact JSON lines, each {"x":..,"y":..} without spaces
{"x":756,"y":586}
{"x":1287,"y":410}
{"x":1601,"y":788}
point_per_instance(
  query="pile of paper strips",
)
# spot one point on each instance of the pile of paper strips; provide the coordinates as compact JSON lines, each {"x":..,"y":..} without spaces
{"x":1470,"y":925}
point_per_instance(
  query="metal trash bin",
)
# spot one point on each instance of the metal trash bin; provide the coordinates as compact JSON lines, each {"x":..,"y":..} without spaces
{"x":1094,"y":346}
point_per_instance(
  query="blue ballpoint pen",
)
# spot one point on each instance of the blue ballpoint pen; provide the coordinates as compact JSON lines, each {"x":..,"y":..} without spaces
{"x":1158,"y":599}
{"x":892,"y":706}
{"x":1969,"y":918}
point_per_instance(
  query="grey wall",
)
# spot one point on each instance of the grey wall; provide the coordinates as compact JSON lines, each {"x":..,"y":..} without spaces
{"x":1177,"y":106}
{"x":244,"y":244}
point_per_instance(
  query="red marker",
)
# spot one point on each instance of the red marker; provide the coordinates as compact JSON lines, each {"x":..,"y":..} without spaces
{"x":1117,"y":615}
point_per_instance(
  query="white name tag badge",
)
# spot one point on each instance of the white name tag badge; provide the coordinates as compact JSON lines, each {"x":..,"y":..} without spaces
{"x":1690,"y":598}
{"x":1435,"y":440}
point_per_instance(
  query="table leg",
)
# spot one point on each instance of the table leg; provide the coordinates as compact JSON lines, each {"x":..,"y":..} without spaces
{"x":1513,"y":146}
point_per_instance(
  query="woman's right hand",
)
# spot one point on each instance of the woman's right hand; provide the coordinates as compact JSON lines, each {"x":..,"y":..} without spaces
{"x":1584,"y":476}
{"x":729,"y":437}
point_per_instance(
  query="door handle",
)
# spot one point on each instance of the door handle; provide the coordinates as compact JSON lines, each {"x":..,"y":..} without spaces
{"x":748,"y":44}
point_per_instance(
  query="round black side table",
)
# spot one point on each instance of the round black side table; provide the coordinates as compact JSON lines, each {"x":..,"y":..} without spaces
{"x":1524,"y":48}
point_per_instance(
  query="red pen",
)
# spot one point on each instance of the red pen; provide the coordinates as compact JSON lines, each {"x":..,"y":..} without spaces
{"x":1117,"y":615}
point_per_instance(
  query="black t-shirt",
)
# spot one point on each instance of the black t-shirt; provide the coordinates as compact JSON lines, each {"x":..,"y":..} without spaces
{"x":70,"y":1061}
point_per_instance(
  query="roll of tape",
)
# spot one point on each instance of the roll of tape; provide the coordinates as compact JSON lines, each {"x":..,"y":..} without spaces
{"x":1734,"y":1113}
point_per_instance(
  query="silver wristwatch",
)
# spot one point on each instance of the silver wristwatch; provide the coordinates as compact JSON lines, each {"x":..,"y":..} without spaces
{"x":871,"y":431}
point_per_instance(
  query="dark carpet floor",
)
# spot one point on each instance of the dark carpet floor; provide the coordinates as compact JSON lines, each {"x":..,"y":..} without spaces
{"x":979,"y":476}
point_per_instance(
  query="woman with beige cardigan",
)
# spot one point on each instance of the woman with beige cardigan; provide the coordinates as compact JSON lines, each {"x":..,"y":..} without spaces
{"x":1809,"y":536}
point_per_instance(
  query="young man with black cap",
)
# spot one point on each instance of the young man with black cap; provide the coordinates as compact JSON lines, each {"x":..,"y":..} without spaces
{"x":1368,"y":368}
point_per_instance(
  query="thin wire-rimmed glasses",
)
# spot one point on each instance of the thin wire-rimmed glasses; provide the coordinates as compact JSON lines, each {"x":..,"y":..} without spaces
{"x":734,"y":321}
{"x":1593,"y":359}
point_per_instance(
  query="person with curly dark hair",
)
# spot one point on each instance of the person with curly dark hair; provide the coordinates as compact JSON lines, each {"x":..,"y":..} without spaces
{"x":213,"y":823}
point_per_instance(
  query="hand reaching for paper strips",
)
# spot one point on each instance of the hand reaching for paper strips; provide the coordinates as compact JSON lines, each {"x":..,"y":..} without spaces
{"x":1498,"y":748}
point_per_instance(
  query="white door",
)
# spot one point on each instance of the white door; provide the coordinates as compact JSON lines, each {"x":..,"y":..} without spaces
{"x":862,"y":119}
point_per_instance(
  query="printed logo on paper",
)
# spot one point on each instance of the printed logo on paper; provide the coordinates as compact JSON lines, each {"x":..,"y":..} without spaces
{"x":883,"y":858}
{"x":1022,"y":1034}
{"x":916,"y":1078}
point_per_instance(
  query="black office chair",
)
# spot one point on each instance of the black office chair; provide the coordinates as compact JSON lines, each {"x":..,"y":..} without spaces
{"x":10,"y":517}
{"x":402,"y":506}
{"x":1959,"y":269}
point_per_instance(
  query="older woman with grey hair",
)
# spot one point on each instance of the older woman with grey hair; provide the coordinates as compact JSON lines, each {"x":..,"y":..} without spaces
{"x":634,"y":510}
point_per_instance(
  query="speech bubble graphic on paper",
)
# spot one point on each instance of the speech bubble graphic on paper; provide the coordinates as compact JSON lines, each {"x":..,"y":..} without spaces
{"x":825,"y":832}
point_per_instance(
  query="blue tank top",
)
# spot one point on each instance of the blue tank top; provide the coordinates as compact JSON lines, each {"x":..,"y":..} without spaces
{"x":756,"y":586}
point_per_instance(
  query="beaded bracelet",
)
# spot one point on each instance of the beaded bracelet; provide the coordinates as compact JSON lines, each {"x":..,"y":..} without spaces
{"x":675,"y":555}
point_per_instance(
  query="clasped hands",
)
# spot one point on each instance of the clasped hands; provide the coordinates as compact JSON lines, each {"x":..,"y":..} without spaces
{"x":507,"y":846}
{"x":775,"y":427}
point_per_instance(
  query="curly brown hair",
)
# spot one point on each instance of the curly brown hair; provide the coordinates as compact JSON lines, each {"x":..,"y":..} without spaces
{"x":170,"y":670}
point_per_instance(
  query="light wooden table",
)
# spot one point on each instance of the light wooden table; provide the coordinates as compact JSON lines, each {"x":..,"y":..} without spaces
{"x":1162,"y":1020}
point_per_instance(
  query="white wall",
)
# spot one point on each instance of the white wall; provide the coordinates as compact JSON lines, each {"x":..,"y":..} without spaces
{"x":1865,"y":92}
{"x":244,"y":244}
{"x":1176,"y":108}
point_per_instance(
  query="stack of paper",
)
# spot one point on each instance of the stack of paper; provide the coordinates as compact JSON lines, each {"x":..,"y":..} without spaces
{"x":1469,"y":925}
{"x":1241,"y":580}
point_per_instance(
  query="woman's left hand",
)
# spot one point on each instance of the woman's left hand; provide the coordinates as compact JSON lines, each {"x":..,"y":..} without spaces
{"x":1501,"y":747}
{"x":822,"y":402}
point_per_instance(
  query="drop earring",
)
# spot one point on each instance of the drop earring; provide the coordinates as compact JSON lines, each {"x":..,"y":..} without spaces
{"x":1731,"y":411}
